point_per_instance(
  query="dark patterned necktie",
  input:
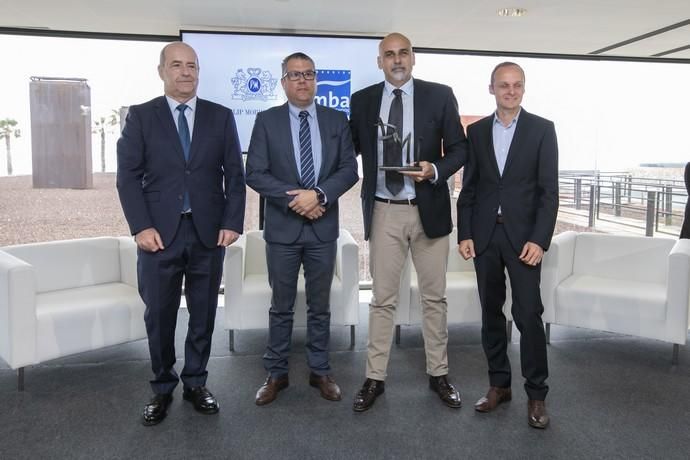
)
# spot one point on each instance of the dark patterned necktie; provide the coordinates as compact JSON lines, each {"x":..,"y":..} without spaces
{"x":185,"y":140}
{"x":306,"y":157}
{"x":392,"y":150}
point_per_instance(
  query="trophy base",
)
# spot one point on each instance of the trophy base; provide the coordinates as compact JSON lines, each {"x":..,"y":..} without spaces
{"x":400,"y":168}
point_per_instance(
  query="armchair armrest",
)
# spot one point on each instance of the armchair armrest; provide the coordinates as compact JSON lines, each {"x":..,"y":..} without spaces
{"x":678,"y":291}
{"x":347,"y":268}
{"x":17,"y":311}
{"x":557,"y":265}
{"x":128,"y":261}
{"x":233,"y":269}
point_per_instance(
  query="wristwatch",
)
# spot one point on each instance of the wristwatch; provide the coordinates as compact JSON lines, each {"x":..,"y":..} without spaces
{"x":320,"y":196}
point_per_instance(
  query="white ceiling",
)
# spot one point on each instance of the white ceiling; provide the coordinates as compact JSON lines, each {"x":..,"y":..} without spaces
{"x":550,"y":26}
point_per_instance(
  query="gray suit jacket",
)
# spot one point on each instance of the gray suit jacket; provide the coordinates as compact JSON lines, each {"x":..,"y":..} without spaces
{"x":272,"y":171}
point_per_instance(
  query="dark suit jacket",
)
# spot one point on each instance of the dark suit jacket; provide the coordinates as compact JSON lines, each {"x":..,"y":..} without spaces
{"x":272,"y":171}
{"x":527,"y":192}
{"x":152,"y":173}
{"x":437,"y":129}
{"x":685,"y":229}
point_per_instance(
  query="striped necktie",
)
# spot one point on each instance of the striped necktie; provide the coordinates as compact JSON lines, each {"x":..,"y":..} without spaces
{"x":306,"y":157}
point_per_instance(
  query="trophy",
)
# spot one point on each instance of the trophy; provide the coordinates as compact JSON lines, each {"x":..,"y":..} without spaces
{"x":412,"y":164}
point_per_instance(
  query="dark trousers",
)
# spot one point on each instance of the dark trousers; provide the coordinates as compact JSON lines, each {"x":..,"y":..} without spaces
{"x":284,"y":261}
{"x":527,"y":309}
{"x":160,"y":285}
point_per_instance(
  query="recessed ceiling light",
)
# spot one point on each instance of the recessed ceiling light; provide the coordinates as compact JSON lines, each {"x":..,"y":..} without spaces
{"x":512,"y":12}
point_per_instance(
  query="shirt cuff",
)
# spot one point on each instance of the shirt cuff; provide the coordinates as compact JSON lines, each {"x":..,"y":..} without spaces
{"x":435,"y":174}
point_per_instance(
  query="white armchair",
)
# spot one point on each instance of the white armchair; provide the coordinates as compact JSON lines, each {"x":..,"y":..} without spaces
{"x":65,"y":297}
{"x":248,"y":294}
{"x":625,"y":284}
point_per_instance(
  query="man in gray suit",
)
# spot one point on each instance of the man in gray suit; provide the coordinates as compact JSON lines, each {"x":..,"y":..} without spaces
{"x":300,"y":160}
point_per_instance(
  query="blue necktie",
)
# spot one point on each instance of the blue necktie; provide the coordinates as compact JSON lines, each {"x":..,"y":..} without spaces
{"x":185,"y":140}
{"x":305,"y":155}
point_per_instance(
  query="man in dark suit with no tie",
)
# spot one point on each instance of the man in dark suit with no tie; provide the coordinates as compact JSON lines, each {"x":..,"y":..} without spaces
{"x":300,"y":161}
{"x":506,"y":217}
{"x":409,"y":211}
{"x":181,"y":185}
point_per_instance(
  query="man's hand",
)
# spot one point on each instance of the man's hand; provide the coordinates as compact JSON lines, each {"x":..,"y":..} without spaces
{"x":304,"y":202}
{"x":531,"y":253}
{"x":227,"y":237}
{"x":316,"y":213}
{"x":466,"y":249}
{"x":149,"y":240}
{"x":427,"y":172}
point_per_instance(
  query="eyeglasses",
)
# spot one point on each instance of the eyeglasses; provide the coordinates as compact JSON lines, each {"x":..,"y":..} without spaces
{"x":294,"y":75}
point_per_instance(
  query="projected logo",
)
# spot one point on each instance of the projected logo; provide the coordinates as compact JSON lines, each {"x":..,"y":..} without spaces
{"x":254,"y":84}
{"x":333,"y":89}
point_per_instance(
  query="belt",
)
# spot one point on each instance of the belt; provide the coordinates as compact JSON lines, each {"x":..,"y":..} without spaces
{"x":408,"y":202}
{"x":499,"y":219}
{"x":186,"y":215}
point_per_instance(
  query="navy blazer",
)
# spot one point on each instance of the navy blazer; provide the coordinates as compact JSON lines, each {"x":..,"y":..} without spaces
{"x":272,"y":171}
{"x":152,"y":173}
{"x":527,"y":192}
{"x":437,"y":129}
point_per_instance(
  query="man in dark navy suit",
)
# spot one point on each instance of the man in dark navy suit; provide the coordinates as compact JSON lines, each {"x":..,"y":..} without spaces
{"x":301,"y":161}
{"x":181,"y":184}
{"x":506,"y":216}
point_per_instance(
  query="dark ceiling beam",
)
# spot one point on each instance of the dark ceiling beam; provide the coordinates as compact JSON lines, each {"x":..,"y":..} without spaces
{"x":643,"y":37}
{"x":673,"y":51}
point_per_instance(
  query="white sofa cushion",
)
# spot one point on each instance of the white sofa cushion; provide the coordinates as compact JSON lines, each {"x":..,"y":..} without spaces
{"x":255,"y":293}
{"x":579,"y":297}
{"x":87,"y":318}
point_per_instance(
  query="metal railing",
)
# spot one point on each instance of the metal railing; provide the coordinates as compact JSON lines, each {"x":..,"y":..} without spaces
{"x":649,"y":204}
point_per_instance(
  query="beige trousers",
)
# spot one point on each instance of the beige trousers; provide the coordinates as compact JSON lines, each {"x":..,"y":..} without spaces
{"x":396,"y":230}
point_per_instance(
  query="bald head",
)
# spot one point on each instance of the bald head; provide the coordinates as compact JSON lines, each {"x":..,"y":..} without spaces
{"x":173,"y":45}
{"x":394,"y":37}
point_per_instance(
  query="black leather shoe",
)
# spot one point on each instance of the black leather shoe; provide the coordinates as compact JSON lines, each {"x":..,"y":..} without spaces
{"x":446,"y":391}
{"x":202,"y":399}
{"x":156,"y":410}
{"x":366,"y":396}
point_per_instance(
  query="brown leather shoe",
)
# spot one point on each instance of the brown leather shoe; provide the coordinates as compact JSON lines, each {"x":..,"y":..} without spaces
{"x":536,"y":414}
{"x":366,"y":396}
{"x":494,"y":397}
{"x":268,"y":392}
{"x":326,"y":385}
{"x":446,"y":391}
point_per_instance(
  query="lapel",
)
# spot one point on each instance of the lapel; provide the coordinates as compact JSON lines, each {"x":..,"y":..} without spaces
{"x":285,"y":137}
{"x":518,"y":136}
{"x":325,"y":133}
{"x":169,"y":129}
{"x":419,"y":105}
{"x":488,"y":141}
{"x":201,"y":122}
{"x":372,"y":117}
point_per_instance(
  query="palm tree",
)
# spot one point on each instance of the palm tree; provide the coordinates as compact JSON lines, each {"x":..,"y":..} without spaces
{"x":101,"y":126}
{"x":8,"y":130}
